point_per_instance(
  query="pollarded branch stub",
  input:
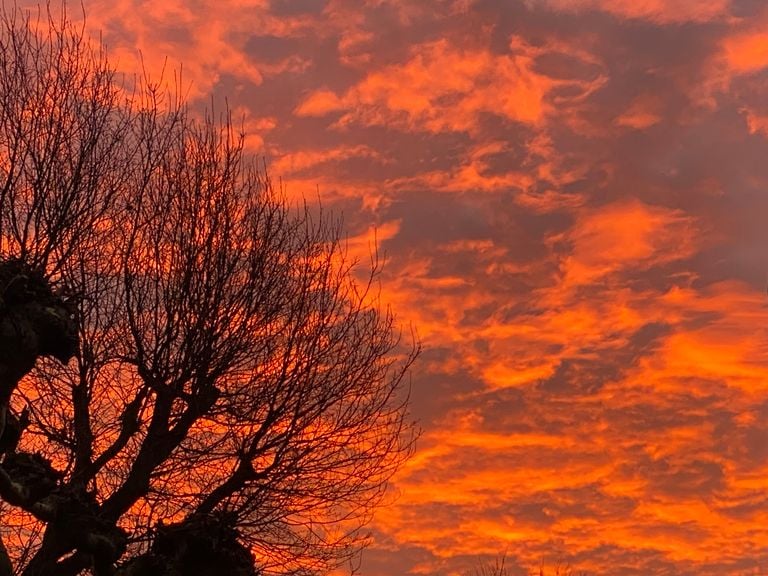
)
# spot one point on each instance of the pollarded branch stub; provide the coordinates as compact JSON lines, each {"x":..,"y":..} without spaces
{"x":35,"y":320}
{"x":79,"y":523}
{"x":52,"y":314}
{"x":21,"y":283}
{"x":34,"y":472}
{"x":201,"y":545}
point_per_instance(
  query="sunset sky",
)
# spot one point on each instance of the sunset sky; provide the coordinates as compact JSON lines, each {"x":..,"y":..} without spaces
{"x":572,"y":196}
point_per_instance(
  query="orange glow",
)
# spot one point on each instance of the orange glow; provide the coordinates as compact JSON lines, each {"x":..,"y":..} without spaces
{"x":747,"y":52}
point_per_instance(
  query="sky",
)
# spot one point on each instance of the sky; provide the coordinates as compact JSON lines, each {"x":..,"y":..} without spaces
{"x":572,"y":197}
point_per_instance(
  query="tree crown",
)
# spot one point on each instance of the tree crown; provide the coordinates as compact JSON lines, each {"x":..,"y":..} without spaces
{"x":229,"y":373}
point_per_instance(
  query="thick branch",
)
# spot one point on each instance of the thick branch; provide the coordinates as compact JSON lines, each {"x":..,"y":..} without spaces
{"x":158,"y":445}
{"x":128,"y":427}
{"x":82,"y":427}
{"x":78,"y":526}
{"x":243,"y":474}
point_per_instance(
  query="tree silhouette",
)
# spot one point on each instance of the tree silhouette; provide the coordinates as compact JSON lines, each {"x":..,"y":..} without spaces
{"x":192,"y":380}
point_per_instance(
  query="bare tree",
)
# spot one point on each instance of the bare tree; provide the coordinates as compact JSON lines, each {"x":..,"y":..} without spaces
{"x":214,"y":388}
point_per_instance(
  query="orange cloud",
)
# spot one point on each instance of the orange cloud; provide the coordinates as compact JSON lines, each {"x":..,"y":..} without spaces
{"x":320,"y":103}
{"x":725,"y":350}
{"x":169,"y":37}
{"x":291,"y":163}
{"x":625,"y":235}
{"x":472,"y":173}
{"x":757,"y":123}
{"x":354,"y":48}
{"x":442,"y":88}
{"x":648,"y":500}
{"x":202,"y":43}
{"x":746,"y":52}
{"x":642,"y":113}
{"x":364,"y":246}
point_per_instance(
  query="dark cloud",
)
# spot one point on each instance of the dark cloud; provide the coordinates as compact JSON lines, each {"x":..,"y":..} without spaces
{"x":270,"y":48}
{"x":296,"y":7}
